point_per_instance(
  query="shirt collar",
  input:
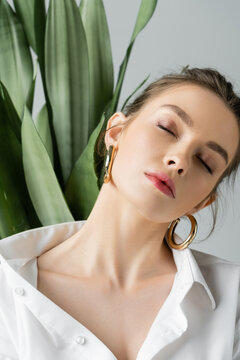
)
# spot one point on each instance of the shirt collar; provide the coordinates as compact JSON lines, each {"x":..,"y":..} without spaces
{"x":19,"y":248}
{"x":187,"y":263}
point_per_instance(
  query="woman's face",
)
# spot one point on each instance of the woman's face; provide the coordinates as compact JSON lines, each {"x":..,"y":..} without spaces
{"x":179,"y":150}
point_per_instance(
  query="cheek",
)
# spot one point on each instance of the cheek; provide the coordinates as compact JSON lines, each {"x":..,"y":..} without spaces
{"x":137,"y":152}
{"x":128,"y":161}
{"x":195,"y":190}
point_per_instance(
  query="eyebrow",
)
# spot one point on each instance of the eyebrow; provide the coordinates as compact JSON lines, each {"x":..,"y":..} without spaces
{"x":189,"y":122}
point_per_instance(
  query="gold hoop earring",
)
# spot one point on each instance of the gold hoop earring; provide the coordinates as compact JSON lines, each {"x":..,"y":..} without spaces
{"x":108,"y":163}
{"x":191,"y":236}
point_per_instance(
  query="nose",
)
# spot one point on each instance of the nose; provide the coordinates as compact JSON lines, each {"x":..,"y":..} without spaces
{"x":178,"y":162}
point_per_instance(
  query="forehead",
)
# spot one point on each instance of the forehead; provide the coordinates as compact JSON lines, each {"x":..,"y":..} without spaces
{"x":210,"y":116}
{"x":196,"y":101}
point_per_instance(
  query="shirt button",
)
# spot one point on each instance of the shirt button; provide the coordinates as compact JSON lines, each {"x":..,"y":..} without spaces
{"x":19,"y":291}
{"x":80,"y":340}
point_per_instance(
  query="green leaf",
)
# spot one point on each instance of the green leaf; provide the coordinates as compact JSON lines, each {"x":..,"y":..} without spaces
{"x":45,"y":192}
{"x":145,"y":13}
{"x":30,"y":95}
{"x":25,"y":11}
{"x":82,"y":188}
{"x":39,"y":14}
{"x":67,"y":80}
{"x":13,"y":119}
{"x":16,"y":68}
{"x":129,"y":97}
{"x":16,"y":212}
{"x":32,"y":14}
{"x":100,"y":58}
{"x":43,"y":128}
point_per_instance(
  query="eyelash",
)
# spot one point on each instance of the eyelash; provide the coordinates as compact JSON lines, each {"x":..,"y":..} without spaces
{"x":204,"y":164}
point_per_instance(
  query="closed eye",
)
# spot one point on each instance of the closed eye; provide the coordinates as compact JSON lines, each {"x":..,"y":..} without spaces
{"x":164,"y":128}
{"x":203,"y":162}
{"x":206,"y":166}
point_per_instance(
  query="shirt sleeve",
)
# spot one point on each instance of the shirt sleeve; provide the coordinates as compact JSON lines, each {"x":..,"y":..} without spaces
{"x":7,"y":349}
{"x":236,"y":345}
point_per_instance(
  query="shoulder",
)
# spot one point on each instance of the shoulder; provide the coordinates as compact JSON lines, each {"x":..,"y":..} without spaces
{"x":206,"y":259}
{"x":221,"y":274}
{"x":33,"y":242}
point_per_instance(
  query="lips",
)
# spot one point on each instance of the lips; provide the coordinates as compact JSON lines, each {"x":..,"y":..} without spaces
{"x":164,"y":179}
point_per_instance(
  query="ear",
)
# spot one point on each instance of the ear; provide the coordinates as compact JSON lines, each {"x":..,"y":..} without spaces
{"x":204,"y":203}
{"x":112,"y":136}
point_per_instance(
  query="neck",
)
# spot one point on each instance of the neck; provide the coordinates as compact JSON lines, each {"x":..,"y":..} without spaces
{"x":118,"y":244}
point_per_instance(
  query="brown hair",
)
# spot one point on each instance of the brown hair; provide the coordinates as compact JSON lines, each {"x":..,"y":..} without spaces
{"x":206,"y":77}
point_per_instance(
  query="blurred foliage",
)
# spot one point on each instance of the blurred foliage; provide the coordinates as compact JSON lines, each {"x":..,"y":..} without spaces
{"x":50,"y":171}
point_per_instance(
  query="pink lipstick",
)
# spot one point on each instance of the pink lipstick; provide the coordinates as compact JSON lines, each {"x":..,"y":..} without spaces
{"x":163,"y":182}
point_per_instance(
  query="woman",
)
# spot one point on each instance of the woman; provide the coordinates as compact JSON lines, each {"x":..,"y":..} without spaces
{"x":121,"y":284}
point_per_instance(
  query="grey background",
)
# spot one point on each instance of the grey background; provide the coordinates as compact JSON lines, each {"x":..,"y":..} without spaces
{"x":199,"y":33}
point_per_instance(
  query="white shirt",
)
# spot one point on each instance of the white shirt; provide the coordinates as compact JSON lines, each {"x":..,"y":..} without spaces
{"x":200,"y":319}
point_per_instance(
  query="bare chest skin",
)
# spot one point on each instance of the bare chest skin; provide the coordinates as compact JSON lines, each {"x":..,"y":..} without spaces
{"x":121,"y":321}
